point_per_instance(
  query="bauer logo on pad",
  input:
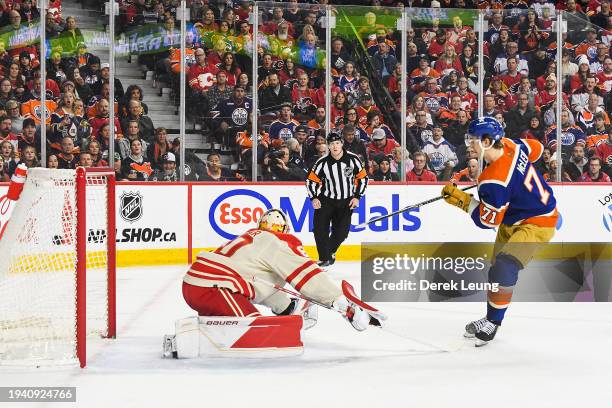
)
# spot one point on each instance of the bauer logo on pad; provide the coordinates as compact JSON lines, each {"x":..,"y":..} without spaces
{"x":131,"y":206}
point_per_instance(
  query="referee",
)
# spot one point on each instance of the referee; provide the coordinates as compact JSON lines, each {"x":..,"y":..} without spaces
{"x":335,"y":184}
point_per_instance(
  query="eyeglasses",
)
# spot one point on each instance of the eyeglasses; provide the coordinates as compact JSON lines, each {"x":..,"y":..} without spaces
{"x":351,"y":113}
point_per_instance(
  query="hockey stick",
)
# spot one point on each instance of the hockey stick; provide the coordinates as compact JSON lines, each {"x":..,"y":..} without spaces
{"x":383,"y":328}
{"x":290,"y":292}
{"x":407,"y":208}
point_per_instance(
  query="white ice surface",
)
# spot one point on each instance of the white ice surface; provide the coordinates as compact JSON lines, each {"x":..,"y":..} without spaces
{"x":546,"y":355}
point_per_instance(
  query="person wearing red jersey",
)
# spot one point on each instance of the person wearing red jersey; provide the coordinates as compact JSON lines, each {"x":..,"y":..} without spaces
{"x":419,"y":172}
{"x":436,"y":47}
{"x":604,"y":151}
{"x":548,"y":95}
{"x":512,"y":76}
{"x":469,"y":101}
{"x":448,"y":61}
{"x":604,"y":77}
{"x":201,"y":75}
{"x":594,"y":174}
{"x":381,"y":145}
{"x":102,"y":118}
{"x":243,"y":272}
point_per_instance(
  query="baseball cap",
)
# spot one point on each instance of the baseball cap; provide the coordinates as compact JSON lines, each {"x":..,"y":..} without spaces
{"x":333,"y":136}
{"x":169,"y":157}
{"x":383,"y":158}
{"x":105,"y":65}
{"x":552,"y":77}
{"x":301,"y":128}
{"x":378,"y":134}
{"x":366,"y":96}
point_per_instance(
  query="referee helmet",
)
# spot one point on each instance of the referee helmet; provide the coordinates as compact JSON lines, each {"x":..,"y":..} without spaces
{"x":333,"y":136}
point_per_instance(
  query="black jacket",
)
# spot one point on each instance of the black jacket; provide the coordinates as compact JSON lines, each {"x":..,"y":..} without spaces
{"x":271,"y":101}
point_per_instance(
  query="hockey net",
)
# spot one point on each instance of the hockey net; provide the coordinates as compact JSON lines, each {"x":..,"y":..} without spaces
{"x":57,"y":267}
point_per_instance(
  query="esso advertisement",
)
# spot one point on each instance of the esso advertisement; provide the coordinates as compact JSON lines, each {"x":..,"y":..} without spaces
{"x":231,"y":211}
{"x":151,"y":217}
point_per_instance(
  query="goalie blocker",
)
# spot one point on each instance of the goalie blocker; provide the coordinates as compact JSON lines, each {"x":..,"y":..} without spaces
{"x":224,"y":286}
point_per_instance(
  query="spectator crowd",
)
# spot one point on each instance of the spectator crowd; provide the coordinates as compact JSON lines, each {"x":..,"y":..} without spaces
{"x":441,"y":68}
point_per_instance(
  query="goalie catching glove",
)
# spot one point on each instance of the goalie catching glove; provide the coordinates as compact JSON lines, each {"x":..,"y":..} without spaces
{"x":358,"y":313}
{"x":457,"y":197}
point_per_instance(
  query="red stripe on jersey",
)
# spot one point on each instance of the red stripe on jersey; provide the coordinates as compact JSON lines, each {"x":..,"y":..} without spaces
{"x":307,"y":278}
{"x":214,"y":276}
{"x":246,"y":287}
{"x":299,"y":270}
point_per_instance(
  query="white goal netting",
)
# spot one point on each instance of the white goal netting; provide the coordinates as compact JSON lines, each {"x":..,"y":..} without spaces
{"x":38,"y":253}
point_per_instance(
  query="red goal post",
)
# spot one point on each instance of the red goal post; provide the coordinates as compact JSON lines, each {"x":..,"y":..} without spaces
{"x":84,"y":179}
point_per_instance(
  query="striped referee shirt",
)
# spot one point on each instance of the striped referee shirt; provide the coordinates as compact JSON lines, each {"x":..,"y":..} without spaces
{"x":337,"y":179}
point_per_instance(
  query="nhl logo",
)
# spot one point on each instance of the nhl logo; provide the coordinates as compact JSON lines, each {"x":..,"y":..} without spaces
{"x":131,"y":206}
{"x":348,"y":171}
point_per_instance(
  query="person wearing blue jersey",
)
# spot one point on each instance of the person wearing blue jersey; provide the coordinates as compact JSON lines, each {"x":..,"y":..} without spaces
{"x":515,"y":199}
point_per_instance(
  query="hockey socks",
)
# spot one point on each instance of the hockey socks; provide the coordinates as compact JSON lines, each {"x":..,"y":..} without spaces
{"x":504,"y":272}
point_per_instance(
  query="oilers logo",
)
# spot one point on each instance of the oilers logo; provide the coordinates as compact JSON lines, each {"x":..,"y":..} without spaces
{"x":240,"y":116}
{"x":285,"y":133}
{"x":567,"y":138}
{"x":38,"y":112}
{"x":437,"y":160}
{"x":432,"y":103}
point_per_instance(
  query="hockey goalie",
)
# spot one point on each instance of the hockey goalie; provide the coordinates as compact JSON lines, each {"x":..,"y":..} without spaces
{"x":223,"y":286}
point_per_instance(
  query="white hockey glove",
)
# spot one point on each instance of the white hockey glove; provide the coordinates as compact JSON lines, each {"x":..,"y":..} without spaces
{"x":358,"y":313}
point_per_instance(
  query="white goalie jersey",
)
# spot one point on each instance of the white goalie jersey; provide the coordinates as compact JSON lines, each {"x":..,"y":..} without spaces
{"x":260,"y":255}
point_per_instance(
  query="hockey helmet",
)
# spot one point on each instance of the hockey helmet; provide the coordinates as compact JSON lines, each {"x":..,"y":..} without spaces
{"x":484,"y":126}
{"x":274,"y":220}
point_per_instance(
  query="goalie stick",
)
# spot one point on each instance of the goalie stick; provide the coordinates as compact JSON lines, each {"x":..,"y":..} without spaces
{"x":349,"y":292}
{"x":407,"y":208}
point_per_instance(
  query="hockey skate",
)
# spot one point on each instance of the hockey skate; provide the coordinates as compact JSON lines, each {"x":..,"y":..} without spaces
{"x":169,"y":346}
{"x":483,"y":330}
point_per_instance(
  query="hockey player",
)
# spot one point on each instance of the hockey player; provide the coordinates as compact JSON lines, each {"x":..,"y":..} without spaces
{"x":235,"y":277}
{"x":513,"y":198}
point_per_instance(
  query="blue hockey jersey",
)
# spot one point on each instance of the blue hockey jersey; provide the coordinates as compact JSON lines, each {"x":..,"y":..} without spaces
{"x":511,"y":190}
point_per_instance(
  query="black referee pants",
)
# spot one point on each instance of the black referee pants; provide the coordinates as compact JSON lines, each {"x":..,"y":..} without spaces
{"x":334,"y":213}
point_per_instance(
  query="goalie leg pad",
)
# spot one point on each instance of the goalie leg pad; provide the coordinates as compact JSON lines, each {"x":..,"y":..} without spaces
{"x":255,"y":337}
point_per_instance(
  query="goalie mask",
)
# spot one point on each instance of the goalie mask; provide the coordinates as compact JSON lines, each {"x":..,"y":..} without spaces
{"x":274,"y":220}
